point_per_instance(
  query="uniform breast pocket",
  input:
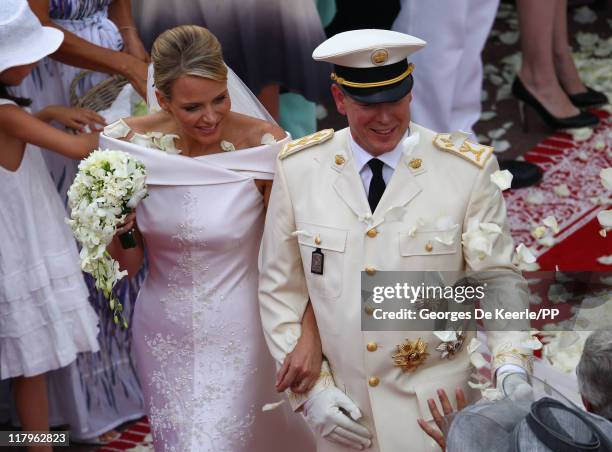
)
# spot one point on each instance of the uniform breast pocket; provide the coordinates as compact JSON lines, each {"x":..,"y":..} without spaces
{"x":429,"y":242}
{"x":324,"y":269}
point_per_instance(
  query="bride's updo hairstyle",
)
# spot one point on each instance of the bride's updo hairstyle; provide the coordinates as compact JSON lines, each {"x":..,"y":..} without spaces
{"x":186,"y":50}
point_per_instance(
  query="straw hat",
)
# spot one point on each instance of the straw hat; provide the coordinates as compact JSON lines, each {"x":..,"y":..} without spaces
{"x":23,"y":40}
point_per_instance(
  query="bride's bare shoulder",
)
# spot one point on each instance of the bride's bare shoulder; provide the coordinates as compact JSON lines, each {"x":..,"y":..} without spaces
{"x":255,"y":128}
{"x":154,"y":122}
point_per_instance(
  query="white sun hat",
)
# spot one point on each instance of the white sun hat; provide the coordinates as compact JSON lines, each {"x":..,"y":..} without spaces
{"x":23,"y":39}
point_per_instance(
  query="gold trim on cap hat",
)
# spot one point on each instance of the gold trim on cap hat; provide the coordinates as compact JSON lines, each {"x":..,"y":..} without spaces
{"x":399,"y":78}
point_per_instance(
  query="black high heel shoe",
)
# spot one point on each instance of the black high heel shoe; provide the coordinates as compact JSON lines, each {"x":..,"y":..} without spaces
{"x":590,"y":98}
{"x":582,"y":119}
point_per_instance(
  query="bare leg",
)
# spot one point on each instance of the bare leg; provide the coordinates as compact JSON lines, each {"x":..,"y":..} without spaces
{"x":32,"y":406}
{"x":269,"y":97}
{"x":536,"y":21}
{"x":564,"y":62}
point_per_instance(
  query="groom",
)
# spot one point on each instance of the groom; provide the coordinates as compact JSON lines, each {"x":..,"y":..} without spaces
{"x":333,"y":213}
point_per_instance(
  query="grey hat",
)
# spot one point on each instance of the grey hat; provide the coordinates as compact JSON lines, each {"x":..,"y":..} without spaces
{"x":549,"y":424}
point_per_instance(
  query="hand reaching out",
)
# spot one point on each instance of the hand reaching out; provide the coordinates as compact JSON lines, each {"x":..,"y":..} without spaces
{"x":442,"y":422}
{"x":74,"y":117}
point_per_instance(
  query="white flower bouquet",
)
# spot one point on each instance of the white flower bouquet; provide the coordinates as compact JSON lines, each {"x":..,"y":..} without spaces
{"x":107,"y":187}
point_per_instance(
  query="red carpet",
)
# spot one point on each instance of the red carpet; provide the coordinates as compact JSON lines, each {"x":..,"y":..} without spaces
{"x":131,"y":437}
{"x":576,"y":164}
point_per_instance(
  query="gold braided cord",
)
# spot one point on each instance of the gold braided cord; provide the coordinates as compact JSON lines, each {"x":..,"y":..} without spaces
{"x":399,"y":78}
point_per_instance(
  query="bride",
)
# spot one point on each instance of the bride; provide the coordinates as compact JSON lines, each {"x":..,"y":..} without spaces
{"x":201,"y":356}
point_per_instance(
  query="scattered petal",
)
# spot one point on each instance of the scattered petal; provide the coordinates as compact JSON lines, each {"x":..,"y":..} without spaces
{"x":605,"y":260}
{"x":533,"y":343}
{"x":509,"y":37}
{"x":605,"y":219}
{"x":603,"y":233}
{"x":503,"y":179}
{"x":268,"y":138}
{"x":473,"y":345}
{"x":547,"y":241}
{"x":561,"y":190}
{"x":606,"y":178}
{"x":539,"y":232}
{"x":478,"y":361}
{"x":481,"y":386}
{"x":581,"y":134}
{"x":227,"y":146}
{"x":487,"y":115}
{"x":446,"y":336}
{"x":583,"y":156}
{"x":320,"y":112}
{"x":497,"y":133}
{"x":535,"y":197}
{"x":584,"y":15}
{"x":496,"y":79}
{"x":551,"y":222}
{"x":500,"y":146}
{"x":272,"y":406}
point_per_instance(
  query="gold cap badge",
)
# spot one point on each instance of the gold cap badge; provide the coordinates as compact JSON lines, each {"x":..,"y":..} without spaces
{"x":410,"y":355}
{"x":379,"y":57}
{"x":340,"y":159}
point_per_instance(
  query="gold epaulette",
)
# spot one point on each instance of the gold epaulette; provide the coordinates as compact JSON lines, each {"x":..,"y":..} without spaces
{"x":476,"y":153}
{"x":305,"y":142}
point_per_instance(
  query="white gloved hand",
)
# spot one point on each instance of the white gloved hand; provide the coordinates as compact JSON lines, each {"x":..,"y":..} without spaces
{"x":515,"y":385}
{"x":323,"y":414}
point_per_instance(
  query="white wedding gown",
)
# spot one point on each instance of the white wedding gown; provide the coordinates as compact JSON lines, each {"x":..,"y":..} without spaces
{"x":201,"y":357}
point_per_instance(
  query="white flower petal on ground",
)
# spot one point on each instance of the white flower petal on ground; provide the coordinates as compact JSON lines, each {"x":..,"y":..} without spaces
{"x":509,"y":37}
{"x":483,"y":139}
{"x":551,"y":222}
{"x":603,"y":233}
{"x":539,"y":232}
{"x":561,"y":190}
{"x":535,"y":197}
{"x":272,"y":406}
{"x":507,"y":125}
{"x":584,"y":15}
{"x":583,"y":156}
{"x":503,"y":93}
{"x":581,"y":134}
{"x":478,"y":361}
{"x":496,"y":79}
{"x":484,"y":96}
{"x":606,"y":178}
{"x":605,"y":260}
{"x":503,"y":179}
{"x":497,"y":133}
{"x":605,"y":219}
{"x":587,"y":40}
{"x":487,"y":115}
{"x":500,"y":146}
{"x":547,"y":241}
{"x":268,"y":138}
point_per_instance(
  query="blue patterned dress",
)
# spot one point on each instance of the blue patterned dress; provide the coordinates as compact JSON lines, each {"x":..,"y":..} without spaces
{"x":100,"y":391}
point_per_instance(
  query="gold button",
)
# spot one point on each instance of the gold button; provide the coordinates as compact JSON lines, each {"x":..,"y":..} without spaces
{"x":369,"y":310}
{"x":373,"y":381}
{"x":372,"y":346}
{"x":429,"y":247}
{"x":372,"y":233}
{"x":415,"y":163}
{"x":339,"y":159}
{"x":370,"y":270}
{"x":317,"y":240}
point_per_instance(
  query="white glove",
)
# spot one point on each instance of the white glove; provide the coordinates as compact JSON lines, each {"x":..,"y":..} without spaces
{"x":515,"y":385}
{"x":322,"y":412}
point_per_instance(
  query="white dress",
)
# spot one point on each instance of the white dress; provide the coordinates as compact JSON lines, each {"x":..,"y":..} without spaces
{"x":201,"y":356}
{"x":45,"y":317}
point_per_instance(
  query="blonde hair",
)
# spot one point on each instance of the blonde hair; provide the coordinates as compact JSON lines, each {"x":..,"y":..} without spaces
{"x":186,"y":50}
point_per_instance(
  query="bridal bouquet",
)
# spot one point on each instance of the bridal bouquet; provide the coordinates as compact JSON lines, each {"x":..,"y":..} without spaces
{"x":107,"y":187}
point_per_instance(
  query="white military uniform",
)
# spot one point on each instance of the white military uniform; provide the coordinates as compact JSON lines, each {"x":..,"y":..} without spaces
{"x":448,"y":75}
{"x":318,"y":201}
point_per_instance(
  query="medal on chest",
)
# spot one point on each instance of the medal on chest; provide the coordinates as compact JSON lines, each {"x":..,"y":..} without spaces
{"x":316,"y":262}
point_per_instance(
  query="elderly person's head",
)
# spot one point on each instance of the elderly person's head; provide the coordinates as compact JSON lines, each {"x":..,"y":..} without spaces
{"x":191,"y":81}
{"x":595,"y":373}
